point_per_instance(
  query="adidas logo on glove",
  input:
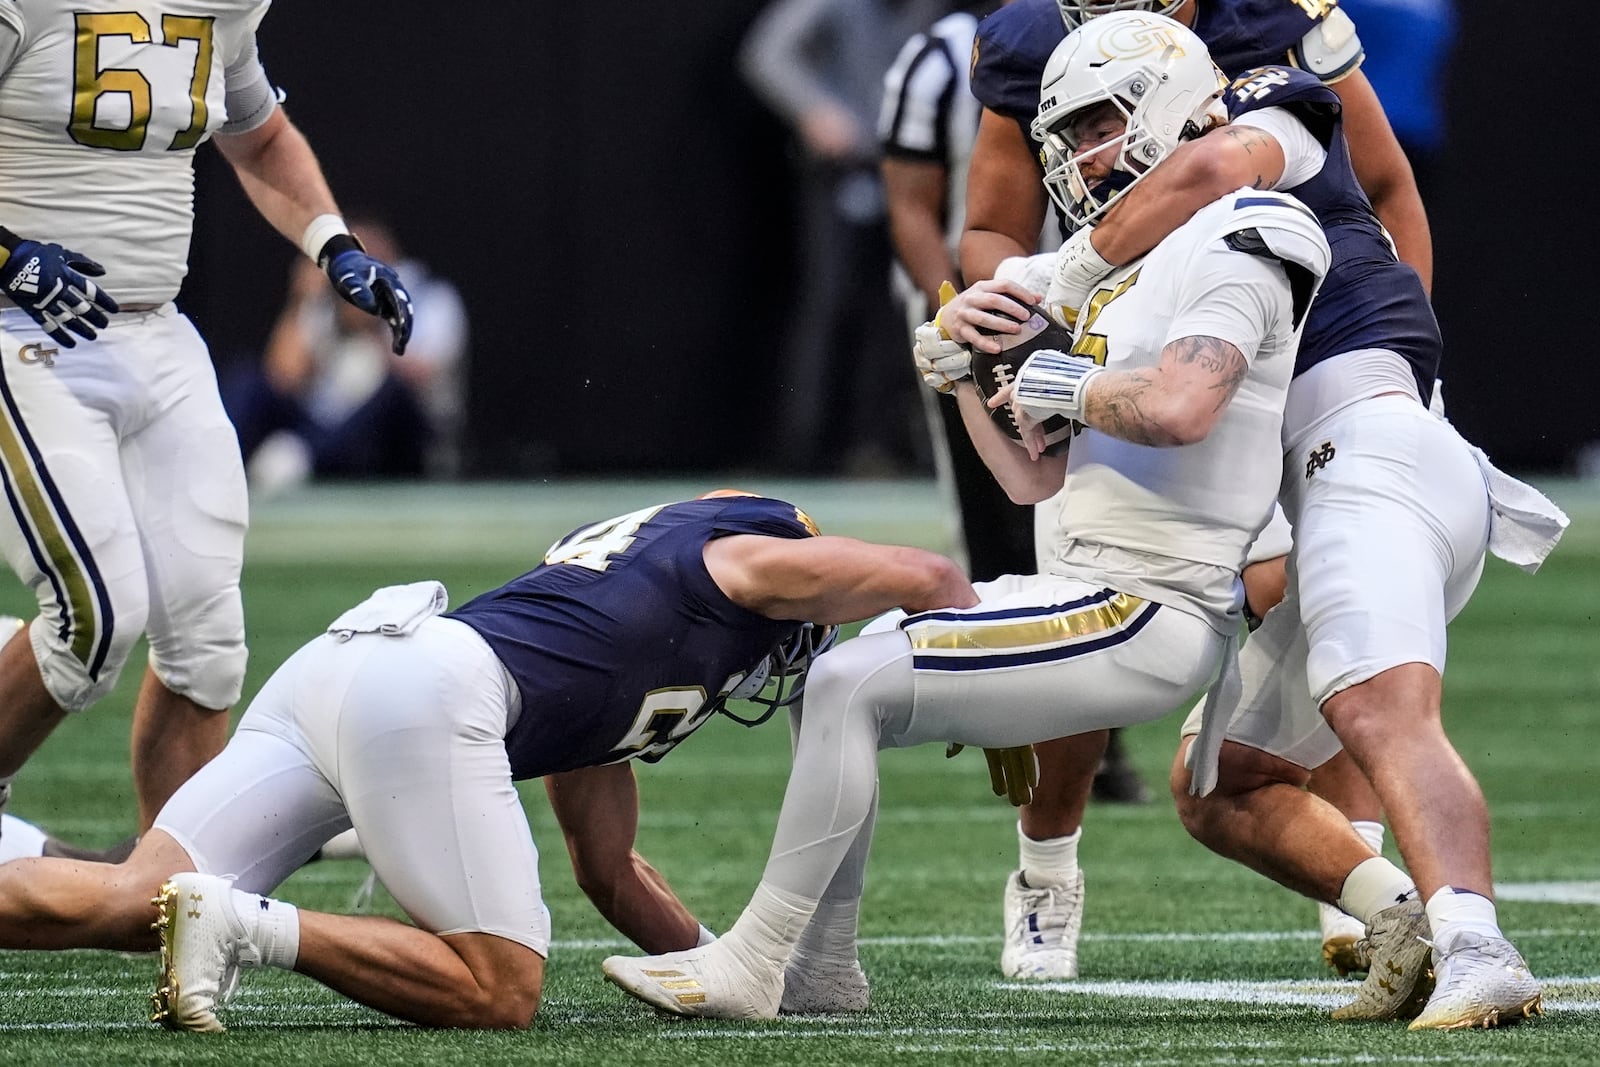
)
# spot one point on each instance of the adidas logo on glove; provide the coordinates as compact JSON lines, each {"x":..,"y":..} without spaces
{"x":27,"y":278}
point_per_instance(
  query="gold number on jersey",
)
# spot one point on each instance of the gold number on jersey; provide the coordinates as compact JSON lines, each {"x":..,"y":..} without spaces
{"x":90,"y":81}
{"x":593,"y":546}
{"x":1316,"y":9}
{"x":175,"y":28}
{"x":1090,"y":344}
{"x":666,"y":716}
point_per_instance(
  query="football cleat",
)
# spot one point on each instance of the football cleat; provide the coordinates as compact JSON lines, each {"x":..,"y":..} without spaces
{"x":1041,"y":931}
{"x":1344,"y":943}
{"x":1115,"y":780}
{"x":1479,"y":982}
{"x":1398,"y":982}
{"x":832,"y":987}
{"x":203,"y":945}
{"x":715,"y":981}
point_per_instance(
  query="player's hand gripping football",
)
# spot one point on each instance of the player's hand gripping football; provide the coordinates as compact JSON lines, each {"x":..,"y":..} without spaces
{"x":369,"y":284}
{"x":941,"y":361}
{"x":52,"y":285}
{"x":977,"y":314}
{"x":1013,"y":772}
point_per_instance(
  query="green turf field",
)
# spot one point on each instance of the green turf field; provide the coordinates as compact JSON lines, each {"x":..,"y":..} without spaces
{"x":1186,"y":959}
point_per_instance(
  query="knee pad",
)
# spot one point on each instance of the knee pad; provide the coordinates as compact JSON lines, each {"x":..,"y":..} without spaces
{"x":199,"y":651}
{"x":80,"y":658}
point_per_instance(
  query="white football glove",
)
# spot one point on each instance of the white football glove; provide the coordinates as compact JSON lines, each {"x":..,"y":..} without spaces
{"x":941,"y":361}
{"x":1078,"y":268}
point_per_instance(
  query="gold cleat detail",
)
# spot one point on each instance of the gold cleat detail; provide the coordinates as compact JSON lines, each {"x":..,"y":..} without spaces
{"x":1346,"y":955}
{"x":166,"y":904}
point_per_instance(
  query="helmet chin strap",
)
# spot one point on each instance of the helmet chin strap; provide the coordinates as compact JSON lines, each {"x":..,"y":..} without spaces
{"x":1105,"y":191}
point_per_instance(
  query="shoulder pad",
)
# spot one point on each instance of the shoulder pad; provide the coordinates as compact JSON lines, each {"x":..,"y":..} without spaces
{"x":1331,"y":49}
{"x":1277,"y":226}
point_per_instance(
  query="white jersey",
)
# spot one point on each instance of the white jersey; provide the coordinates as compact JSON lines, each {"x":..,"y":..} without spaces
{"x":1175,"y":524}
{"x":100,"y":114}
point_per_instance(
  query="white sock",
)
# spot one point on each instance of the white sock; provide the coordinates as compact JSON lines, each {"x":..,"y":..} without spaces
{"x":706,"y":936}
{"x":272,"y":926}
{"x":1371,"y":833}
{"x":770,"y":925}
{"x":1374,"y":885}
{"x":1053,"y":861}
{"x":1452,"y":911}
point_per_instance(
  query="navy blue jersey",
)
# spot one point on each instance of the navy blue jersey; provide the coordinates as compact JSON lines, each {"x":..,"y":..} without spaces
{"x":1015,"y":42}
{"x":620,"y":643}
{"x":1369,"y":298}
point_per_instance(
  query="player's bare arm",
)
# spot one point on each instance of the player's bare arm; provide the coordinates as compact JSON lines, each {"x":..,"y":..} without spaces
{"x":1385,"y":174}
{"x":915,"y":190}
{"x":280,"y":174}
{"x":598,"y":811}
{"x":1193,"y":176}
{"x":832,"y":579}
{"x":1005,"y":201}
{"x":1176,"y":403}
{"x":1026,"y":475}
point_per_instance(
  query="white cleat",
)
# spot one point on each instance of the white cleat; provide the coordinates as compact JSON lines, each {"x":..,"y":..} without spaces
{"x":830,"y":987}
{"x":1344,"y":942}
{"x":1480,"y":982}
{"x":711,"y":982}
{"x":203,"y":945}
{"x":1042,"y":926}
{"x":1398,"y":980}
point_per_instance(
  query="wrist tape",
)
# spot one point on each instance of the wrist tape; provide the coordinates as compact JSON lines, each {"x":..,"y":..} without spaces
{"x":1053,"y":383}
{"x":319,"y":233}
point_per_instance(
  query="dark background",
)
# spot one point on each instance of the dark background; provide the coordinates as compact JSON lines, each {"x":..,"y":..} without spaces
{"x":613,"y":204}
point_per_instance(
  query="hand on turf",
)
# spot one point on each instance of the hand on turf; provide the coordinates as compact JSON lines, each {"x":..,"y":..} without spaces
{"x":52,"y":285}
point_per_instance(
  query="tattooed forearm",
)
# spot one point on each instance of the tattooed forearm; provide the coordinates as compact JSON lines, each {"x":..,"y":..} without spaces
{"x":1119,"y":404}
{"x":1173,"y":404}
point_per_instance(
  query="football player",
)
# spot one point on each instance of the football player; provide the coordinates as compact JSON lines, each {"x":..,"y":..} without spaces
{"x":1167,"y":486}
{"x":412,"y":724}
{"x":1393,"y":513}
{"x":128,"y":497}
{"x":1005,"y":199}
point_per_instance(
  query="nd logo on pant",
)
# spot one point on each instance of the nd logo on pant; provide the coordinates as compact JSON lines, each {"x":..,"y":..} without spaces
{"x":37,"y":353}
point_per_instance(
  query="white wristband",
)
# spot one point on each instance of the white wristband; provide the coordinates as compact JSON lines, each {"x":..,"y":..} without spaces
{"x":319,"y":231}
{"x":1054,"y":383}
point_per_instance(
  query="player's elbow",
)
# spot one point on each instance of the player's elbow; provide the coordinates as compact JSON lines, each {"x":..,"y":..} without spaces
{"x":1215,"y":166}
{"x":1189,"y":424}
{"x":1172,"y":421}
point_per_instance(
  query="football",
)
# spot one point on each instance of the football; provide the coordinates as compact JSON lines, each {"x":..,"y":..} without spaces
{"x":993,"y":371}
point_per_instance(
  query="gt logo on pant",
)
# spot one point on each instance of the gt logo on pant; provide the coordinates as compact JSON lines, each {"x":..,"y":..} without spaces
{"x":1319,"y":458}
{"x":37,"y":353}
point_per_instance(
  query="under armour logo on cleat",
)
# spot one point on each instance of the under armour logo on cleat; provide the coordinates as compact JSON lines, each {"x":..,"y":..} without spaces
{"x":1319,"y":458}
